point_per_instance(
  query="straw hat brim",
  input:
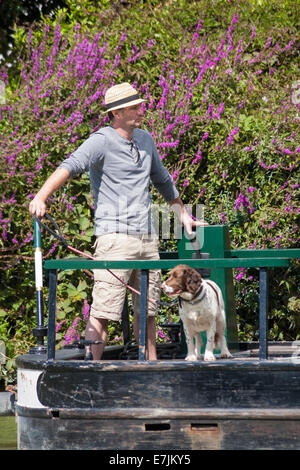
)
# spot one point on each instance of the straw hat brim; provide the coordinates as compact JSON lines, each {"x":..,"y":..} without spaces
{"x":125,"y":105}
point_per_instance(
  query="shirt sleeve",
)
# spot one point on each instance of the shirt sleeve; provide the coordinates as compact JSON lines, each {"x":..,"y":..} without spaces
{"x":89,"y":151}
{"x":161,"y":178}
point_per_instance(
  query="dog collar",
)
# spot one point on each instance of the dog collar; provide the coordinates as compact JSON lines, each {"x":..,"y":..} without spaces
{"x":195,"y":299}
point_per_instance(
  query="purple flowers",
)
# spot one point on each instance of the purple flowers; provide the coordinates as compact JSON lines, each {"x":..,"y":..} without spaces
{"x":168,"y":144}
{"x":229,"y":139}
{"x":243,"y":201}
{"x":175,"y":175}
{"x":72,"y":334}
{"x":197,"y":158}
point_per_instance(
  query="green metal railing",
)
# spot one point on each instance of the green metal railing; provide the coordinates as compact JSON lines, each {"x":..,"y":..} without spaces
{"x":78,"y":263}
{"x":222,"y":261}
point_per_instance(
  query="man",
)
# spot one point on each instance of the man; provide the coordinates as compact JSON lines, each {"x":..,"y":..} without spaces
{"x":122,"y":160}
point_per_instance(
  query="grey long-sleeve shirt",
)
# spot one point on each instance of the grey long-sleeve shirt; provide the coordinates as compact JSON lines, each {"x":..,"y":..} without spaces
{"x":120,"y":179}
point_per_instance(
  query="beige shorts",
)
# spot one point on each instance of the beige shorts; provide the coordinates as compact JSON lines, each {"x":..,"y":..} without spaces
{"x":109,"y":292}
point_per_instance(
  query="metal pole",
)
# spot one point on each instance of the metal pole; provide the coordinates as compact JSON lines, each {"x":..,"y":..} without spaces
{"x":143,"y":315}
{"x":52,"y":313}
{"x":263,"y":313}
{"x":40,"y":330}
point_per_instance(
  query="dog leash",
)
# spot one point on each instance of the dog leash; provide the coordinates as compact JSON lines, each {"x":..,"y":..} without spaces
{"x":215,"y":291}
{"x":60,"y":237}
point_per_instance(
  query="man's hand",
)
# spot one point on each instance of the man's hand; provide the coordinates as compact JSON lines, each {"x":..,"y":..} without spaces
{"x":186,"y":219}
{"x":56,"y":180}
{"x":37,"y":207}
{"x":188,"y":222}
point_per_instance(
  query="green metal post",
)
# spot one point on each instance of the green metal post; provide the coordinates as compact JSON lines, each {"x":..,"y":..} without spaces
{"x":40,"y":330}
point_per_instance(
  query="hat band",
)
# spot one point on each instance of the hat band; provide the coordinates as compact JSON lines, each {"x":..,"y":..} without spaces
{"x":123,"y":101}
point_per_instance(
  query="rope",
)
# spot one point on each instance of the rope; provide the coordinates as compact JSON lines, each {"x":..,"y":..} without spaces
{"x":60,"y":237}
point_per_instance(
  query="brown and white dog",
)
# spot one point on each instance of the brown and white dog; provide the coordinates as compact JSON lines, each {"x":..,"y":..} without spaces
{"x":201,"y":308}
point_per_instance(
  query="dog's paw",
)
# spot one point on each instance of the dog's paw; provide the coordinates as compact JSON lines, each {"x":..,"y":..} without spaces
{"x":226,"y":355}
{"x":191,"y":357}
{"x":209,"y":356}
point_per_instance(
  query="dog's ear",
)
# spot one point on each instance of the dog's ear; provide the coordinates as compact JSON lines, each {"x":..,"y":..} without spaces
{"x":193,"y":280}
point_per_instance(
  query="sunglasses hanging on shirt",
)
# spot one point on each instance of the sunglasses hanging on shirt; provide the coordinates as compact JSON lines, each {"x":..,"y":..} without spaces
{"x":135,"y":152}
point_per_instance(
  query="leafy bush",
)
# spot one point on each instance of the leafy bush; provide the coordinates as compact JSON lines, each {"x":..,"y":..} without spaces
{"x":220,"y":80}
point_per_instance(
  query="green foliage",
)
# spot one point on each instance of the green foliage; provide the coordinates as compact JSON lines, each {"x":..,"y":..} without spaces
{"x":221,"y":84}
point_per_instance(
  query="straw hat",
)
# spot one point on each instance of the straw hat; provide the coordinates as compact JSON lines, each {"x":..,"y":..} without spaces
{"x":121,"y":96}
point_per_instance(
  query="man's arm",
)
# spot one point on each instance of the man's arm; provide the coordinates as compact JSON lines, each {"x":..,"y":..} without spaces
{"x":177,"y":206}
{"x":56,"y":180}
{"x":162,"y":181}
